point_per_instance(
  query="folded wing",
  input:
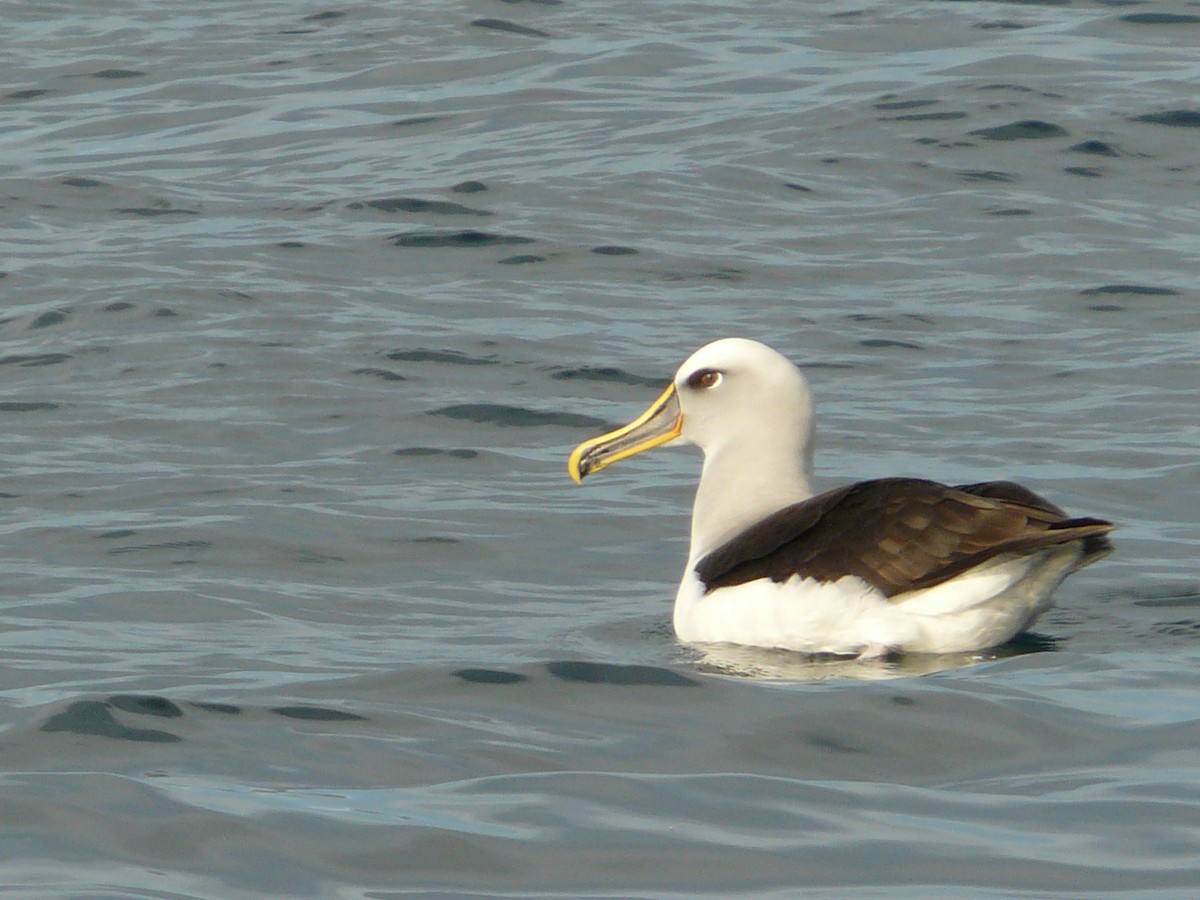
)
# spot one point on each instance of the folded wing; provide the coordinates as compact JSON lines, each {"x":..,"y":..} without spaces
{"x":897,"y":534}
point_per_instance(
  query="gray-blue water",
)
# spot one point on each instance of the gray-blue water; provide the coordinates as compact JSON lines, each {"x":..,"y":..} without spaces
{"x":304,"y":306}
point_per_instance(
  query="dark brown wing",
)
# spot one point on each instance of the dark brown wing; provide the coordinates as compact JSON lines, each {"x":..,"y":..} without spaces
{"x":897,"y":534}
{"x":1013,"y":493}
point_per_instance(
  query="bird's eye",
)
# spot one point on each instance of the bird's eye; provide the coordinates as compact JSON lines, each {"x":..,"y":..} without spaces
{"x":705,"y":378}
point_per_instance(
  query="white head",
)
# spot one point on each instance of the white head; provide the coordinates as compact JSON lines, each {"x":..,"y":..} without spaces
{"x":751,"y":412}
{"x":734,"y":392}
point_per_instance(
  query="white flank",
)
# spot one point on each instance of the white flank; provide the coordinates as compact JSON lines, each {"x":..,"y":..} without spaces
{"x":980,"y":608}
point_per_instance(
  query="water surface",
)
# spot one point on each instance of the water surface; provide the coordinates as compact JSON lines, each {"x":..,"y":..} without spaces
{"x":305,"y":306}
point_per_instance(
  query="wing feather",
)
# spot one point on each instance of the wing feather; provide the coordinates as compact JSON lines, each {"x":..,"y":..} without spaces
{"x":897,"y":534}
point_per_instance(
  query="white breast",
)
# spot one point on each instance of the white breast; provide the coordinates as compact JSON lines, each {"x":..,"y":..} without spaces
{"x":983,"y":607}
{"x":800,"y":614}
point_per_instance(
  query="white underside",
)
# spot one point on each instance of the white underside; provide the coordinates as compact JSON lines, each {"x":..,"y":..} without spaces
{"x":981,"y":608}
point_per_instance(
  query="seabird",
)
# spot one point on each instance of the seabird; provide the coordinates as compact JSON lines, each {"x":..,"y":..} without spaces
{"x":880,"y":566}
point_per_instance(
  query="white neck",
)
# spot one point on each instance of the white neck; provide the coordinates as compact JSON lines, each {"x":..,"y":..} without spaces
{"x":744,"y":481}
{"x":754,"y":421}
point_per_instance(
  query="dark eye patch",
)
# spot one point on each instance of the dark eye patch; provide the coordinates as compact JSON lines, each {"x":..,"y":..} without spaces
{"x":703,"y":378}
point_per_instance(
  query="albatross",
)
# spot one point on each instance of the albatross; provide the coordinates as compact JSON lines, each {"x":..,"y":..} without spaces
{"x":870,"y":568}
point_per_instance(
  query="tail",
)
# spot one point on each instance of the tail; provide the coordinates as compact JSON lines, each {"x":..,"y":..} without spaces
{"x":1093,"y":533}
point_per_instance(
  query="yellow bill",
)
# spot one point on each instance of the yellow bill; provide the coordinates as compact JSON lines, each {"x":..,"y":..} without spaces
{"x":662,"y":422}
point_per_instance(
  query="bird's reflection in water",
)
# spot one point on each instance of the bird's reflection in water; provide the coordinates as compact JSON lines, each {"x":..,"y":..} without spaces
{"x":783,"y":665}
